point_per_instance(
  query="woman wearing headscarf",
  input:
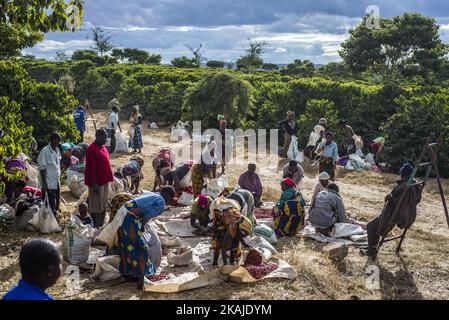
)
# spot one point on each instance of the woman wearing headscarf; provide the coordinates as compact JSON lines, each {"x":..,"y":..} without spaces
{"x":137,"y":244}
{"x":200,"y":213}
{"x":136,"y":142}
{"x":230,"y":227}
{"x":166,"y":158}
{"x":289,"y":211}
{"x":328,"y":150}
{"x":133,"y":169}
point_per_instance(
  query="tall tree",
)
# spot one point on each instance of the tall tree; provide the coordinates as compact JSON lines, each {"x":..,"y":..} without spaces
{"x":270,"y":66}
{"x":61,"y":56}
{"x":102,"y":41}
{"x":299,"y":68}
{"x":215,"y":64}
{"x":184,"y":62}
{"x":404,"y":45}
{"x":221,"y":93}
{"x":198,"y":54}
{"x":253,"y":58}
{"x":133,"y":55}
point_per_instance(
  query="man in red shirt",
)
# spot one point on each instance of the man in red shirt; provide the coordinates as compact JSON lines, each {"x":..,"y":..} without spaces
{"x":97,"y":176}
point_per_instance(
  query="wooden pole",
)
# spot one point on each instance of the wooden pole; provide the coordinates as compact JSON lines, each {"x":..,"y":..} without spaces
{"x":91,"y":114}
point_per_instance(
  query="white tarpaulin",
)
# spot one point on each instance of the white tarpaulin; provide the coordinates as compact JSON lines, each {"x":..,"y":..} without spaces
{"x":353,"y":235}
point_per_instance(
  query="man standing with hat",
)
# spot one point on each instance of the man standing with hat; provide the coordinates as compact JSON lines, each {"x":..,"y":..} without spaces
{"x":290,"y":127}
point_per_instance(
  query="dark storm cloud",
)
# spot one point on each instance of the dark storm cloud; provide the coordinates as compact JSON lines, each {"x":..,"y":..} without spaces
{"x":308,"y":29}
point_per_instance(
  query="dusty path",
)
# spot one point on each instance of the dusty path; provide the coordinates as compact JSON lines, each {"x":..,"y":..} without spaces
{"x":422,"y":271}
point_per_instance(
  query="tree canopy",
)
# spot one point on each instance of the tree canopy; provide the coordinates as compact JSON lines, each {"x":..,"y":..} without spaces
{"x":404,"y":45}
{"x":131,"y":55}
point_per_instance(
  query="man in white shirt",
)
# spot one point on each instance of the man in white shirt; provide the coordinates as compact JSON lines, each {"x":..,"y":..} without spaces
{"x":49,"y":162}
{"x":113,"y":124}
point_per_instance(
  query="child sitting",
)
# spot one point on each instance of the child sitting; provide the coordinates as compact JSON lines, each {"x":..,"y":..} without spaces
{"x":84,"y":216}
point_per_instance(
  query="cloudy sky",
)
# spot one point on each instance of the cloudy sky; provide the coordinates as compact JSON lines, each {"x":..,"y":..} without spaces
{"x":292,"y":29}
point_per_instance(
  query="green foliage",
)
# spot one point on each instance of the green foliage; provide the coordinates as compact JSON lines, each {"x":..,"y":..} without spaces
{"x":334,"y":70}
{"x":222,"y":93}
{"x":33,"y":15}
{"x":68,"y":83}
{"x":49,"y":108}
{"x":299,"y":68}
{"x":16,"y":136}
{"x":184,"y":62}
{"x":80,"y":68}
{"x":406,"y":132}
{"x":270,"y":66}
{"x":93,"y":56}
{"x":61,"y":56}
{"x":102,"y":41}
{"x":14,"y":38}
{"x":15,"y":82}
{"x":406,"y":45}
{"x":315,"y":110}
{"x":44,"y":107}
{"x":198,"y":54}
{"x":131,"y":93}
{"x":253,"y":58}
{"x":130,"y":55}
{"x":215,"y":64}
{"x":91,"y":87}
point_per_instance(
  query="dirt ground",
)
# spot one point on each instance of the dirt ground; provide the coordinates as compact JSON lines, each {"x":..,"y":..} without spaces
{"x":420,"y":272}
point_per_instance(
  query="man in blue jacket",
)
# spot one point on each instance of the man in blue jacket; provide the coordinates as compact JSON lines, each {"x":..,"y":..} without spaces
{"x":79,"y":116}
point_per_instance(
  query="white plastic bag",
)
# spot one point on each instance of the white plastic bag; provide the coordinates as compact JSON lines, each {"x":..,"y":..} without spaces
{"x":7,"y":212}
{"x":181,"y":257}
{"x":45,"y":220}
{"x":186,"y":181}
{"x":186,"y":199}
{"x":73,"y":173}
{"x":76,"y":243}
{"x":370,"y":159}
{"x":300,"y":157}
{"x":170,"y":242}
{"x":153,"y":125}
{"x":357,"y":162}
{"x":358,"y":142}
{"x":115,"y":188}
{"x":260,"y":242}
{"x":32,"y":179}
{"x":267,"y":233}
{"x":24,"y":221}
{"x":109,"y":233}
{"x":344,"y":230}
{"x":293,"y":149}
{"x":120,"y":143}
{"x":107,"y":268}
{"x":77,"y":186}
{"x":216,"y":186}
